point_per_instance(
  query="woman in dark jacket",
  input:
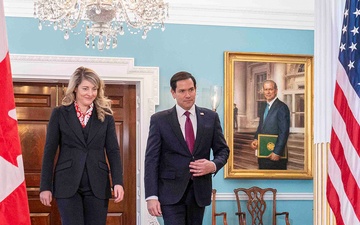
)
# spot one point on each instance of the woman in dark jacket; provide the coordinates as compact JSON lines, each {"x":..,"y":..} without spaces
{"x":83,"y":129}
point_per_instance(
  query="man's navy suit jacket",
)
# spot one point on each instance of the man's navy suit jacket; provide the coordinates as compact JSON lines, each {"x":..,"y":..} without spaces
{"x":277,"y":122}
{"x":65,"y":131}
{"x":168,"y":157}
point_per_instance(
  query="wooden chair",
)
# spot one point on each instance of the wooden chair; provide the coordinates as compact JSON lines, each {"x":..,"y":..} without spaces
{"x":214,"y":213}
{"x":256,"y":206}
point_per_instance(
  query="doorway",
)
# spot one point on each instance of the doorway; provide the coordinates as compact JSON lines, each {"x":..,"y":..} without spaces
{"x":34,"y":103}
{"x":57,"y":69}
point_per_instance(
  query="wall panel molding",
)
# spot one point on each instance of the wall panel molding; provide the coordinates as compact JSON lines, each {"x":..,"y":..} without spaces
{"x":280,"y":196}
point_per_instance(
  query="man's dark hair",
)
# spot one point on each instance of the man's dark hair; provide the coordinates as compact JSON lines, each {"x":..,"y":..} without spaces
{"x":181,"y":76}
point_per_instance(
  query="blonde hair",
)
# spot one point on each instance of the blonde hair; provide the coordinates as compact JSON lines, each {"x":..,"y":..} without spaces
{"x":102,"y":103}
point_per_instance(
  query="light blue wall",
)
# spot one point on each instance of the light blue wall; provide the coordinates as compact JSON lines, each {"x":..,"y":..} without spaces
{"x":193,"y":48}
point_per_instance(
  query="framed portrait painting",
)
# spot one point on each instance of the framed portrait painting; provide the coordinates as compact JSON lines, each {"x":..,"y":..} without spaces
{"x":245,"y":74}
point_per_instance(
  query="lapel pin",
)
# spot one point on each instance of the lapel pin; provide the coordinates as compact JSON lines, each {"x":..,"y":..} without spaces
{"x":201,"y":114}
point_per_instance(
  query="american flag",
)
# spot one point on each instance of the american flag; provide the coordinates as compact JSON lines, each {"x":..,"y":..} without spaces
{"x":343,"y":183}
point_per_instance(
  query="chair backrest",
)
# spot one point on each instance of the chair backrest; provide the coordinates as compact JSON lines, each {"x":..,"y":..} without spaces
{"x":256,"y":204}
{"x":214,"y":214}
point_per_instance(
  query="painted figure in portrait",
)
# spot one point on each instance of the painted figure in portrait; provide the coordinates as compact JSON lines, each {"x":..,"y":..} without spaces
{"x":249,"y":78}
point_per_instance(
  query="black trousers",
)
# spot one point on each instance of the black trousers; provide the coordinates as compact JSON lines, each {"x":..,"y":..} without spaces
{"x":272,"y":165}
{"x":185,"y":212}
{"x":83,"y":208}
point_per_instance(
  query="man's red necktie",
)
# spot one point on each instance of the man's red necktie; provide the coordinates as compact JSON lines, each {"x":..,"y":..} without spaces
{"x":189,"y":132}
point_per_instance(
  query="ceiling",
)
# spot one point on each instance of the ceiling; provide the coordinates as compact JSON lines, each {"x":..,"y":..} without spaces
{"x":287,"y":14}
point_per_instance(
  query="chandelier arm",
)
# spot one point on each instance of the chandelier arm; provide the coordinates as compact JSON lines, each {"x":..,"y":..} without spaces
{"x":63,"y":15}
{"x":65,"y":7}
{"x":77,"y":20}
{"x":105,"y":19}
{"x":127,"y":18}
{"x":129,"y":5}
{"x":69,"y":23}
{"x":137,"y":25}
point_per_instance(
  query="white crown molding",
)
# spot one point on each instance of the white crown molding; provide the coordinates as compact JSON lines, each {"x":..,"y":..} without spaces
{"x":284,"y":15}
{"x":234,"y":15}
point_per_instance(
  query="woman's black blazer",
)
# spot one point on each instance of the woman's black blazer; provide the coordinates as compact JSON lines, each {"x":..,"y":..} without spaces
{"x":65,"y":133}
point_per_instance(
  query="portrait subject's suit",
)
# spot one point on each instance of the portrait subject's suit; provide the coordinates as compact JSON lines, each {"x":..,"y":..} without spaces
{"x":277,"y":122}
{"x":80,"y":149}
{"x":168,"y":157}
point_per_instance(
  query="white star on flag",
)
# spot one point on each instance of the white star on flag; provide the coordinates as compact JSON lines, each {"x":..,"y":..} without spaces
{"x":344,"y":29}
{"x":342,"y":47}
{"x":353,"y":46}
{"x":357,"y":12}
{"x":355,"y":30}
{"x":351,"y":65}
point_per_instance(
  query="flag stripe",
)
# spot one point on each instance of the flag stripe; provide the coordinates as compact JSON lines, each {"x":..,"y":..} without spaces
{"x":352,"y":97}
{"x":343,"y":192}
{"x":341,"y":103}
{"x":339,"y":129}
{"x":334,"y":201}
{"x":343,"y":210}
{"x":341,"y":159}
{"x":344,"y":119}
{"x":346,"y":126}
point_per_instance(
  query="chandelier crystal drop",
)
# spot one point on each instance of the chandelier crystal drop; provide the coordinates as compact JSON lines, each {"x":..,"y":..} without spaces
{"x":101,"y":20}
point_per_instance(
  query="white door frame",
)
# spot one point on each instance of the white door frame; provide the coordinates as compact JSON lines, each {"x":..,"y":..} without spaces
{"x":56,"y":69}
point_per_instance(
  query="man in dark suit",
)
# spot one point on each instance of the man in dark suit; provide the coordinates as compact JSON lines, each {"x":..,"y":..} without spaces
{"x":178,"y":173}
{"x":275,"y":121}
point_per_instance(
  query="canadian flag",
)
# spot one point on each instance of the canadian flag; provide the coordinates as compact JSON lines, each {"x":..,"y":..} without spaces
{"x":14,"y":208}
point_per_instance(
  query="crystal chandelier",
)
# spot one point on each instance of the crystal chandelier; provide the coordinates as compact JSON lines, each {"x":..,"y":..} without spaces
{"x":102,"y":20}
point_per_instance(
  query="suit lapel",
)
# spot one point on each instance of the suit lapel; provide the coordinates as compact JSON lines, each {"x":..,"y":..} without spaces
{"x":200,"y":127}
{"x":95,"y":125}
{"x":175,"y":125}
{"x":73,"y":122}
{"x":273,"y":107}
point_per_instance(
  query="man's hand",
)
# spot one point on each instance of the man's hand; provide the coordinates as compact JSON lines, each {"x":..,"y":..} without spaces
{"x":46,"y":198}
{"x":154,"y":208}
{"x":201,"y":167}
{"x":274,"y":157}
{"x":118,"y":193}
{"x":254,"y":144}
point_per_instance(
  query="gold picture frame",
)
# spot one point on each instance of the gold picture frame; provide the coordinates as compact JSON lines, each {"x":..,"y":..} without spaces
{"x":244,"y":75}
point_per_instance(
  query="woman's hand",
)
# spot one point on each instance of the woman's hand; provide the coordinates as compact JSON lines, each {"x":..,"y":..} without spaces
{"x":118,"y":193}
{"x":46,"y":198}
